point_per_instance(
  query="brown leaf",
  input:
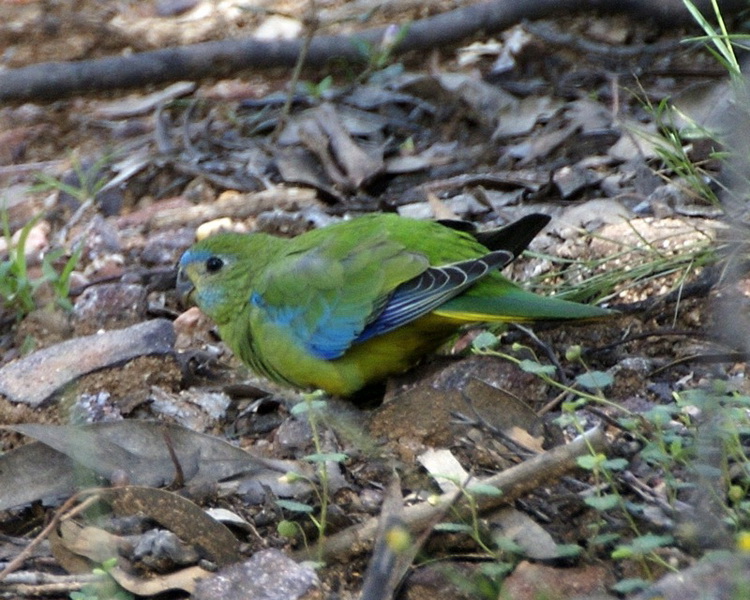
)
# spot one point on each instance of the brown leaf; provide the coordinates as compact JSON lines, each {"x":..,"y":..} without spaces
{"x":47,"y":469}
{"x":358,"y":164}
{"x":181,"y":516}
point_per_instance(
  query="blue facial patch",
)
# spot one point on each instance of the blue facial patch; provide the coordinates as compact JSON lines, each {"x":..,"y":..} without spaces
{"x":194,"y":256}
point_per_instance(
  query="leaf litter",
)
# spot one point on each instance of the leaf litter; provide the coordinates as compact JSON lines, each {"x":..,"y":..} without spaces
{"x":435,"y":143}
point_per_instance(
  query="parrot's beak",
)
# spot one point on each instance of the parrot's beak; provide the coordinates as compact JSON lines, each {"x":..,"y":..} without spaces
{"x":185,"y":288}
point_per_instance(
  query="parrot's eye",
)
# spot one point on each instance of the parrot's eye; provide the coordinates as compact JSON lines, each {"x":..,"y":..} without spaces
{"x":214,"y":264}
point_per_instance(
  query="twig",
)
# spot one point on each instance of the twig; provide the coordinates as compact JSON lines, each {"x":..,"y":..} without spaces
{"x":311,"y":27}
{"x":389,"y":563}
{"x":225,"y":58}
{"x":514,"y":482}
{"x":60,"y":514}
{"x":547,"y":350}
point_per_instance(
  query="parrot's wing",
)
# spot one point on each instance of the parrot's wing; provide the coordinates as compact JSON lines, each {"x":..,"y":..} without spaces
{"x":431,"y":289}
{"x":323,"y":296}
{"x":337,"y":294}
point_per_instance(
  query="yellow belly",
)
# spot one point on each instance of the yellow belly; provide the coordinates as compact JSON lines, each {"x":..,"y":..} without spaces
{"x":363,"y":364}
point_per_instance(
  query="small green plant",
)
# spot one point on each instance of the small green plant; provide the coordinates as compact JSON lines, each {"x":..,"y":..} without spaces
{"x":628,"y":542}
{"x":89,"y":180}
{"x":18,"y":288}
{"x":670,"y":142}
{"x":632,"y":267}
{"x":317,"y":90}
{"x":485,"y":583}
{"x":379,"y":56}
{"x":312,"y":407}
{"x":670,"y":145}
{"x":688,"y":453}
{"x":501,"y":551}
{"x":473,"y":528}
{"x":629,"y":267}
{"x":596,"y":381}
{"x":720,"y":43}
{"x":106,"y":588}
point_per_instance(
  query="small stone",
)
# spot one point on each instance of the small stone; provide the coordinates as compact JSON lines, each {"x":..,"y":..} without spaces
{"x":570,"y":180}
{"x":466,"y":205}
{"x":530,"y":581}
{"x":35,"y":245}
{"x":210,"y":228}
{"x":165,"y":248}
{"x":417,"y":210}
{"x":173,"y":8}
{"x":268,"y":575}
{"x":109,"y":306}
{"x":293,"y":434}
{"x":100,"y":239}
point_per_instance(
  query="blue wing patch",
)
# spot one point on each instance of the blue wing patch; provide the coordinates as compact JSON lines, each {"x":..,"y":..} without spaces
{"x":328,"y":327}
{"x":328,"y":340}
{"x":335,"y":330}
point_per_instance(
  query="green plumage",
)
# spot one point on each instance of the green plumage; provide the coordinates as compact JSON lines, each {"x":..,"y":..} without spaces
{"x":347,"y":305}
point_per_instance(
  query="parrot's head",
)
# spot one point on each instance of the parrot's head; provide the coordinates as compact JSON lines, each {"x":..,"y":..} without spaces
{"x":215,"y":274}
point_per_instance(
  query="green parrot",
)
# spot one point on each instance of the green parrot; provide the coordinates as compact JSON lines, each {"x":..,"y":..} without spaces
{"x":345,"y":306}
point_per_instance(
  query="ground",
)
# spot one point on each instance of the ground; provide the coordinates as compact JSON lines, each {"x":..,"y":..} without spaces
{"x":567,"y":117}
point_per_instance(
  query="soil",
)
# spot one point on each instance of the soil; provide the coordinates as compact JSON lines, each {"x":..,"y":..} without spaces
{"x":186,"y":168}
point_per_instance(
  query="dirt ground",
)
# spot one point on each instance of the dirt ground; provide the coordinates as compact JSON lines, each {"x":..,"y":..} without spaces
{"x":553,"y":116}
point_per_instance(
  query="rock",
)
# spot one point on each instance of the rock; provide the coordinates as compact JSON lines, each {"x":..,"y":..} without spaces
{"x":109,"y":306}
{"x":719,"y":576}
{"x":268,"y":575}
{"x":36,"y":377}
{"x":530,"y":581}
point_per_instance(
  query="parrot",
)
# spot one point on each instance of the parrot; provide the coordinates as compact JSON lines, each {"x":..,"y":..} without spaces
{"x":345,"y":306}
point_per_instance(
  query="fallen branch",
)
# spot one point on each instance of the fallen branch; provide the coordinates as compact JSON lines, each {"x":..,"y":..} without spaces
{"x":67,"y":511}
{"x":514,"y":482}
{"x":54,"y":80}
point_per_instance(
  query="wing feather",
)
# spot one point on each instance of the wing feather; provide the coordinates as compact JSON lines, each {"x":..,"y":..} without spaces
{"x":326,"y":295}
{"x":431,"y":289}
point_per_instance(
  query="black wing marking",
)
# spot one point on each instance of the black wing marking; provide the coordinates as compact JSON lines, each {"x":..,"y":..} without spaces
{"x":431,"y":288}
